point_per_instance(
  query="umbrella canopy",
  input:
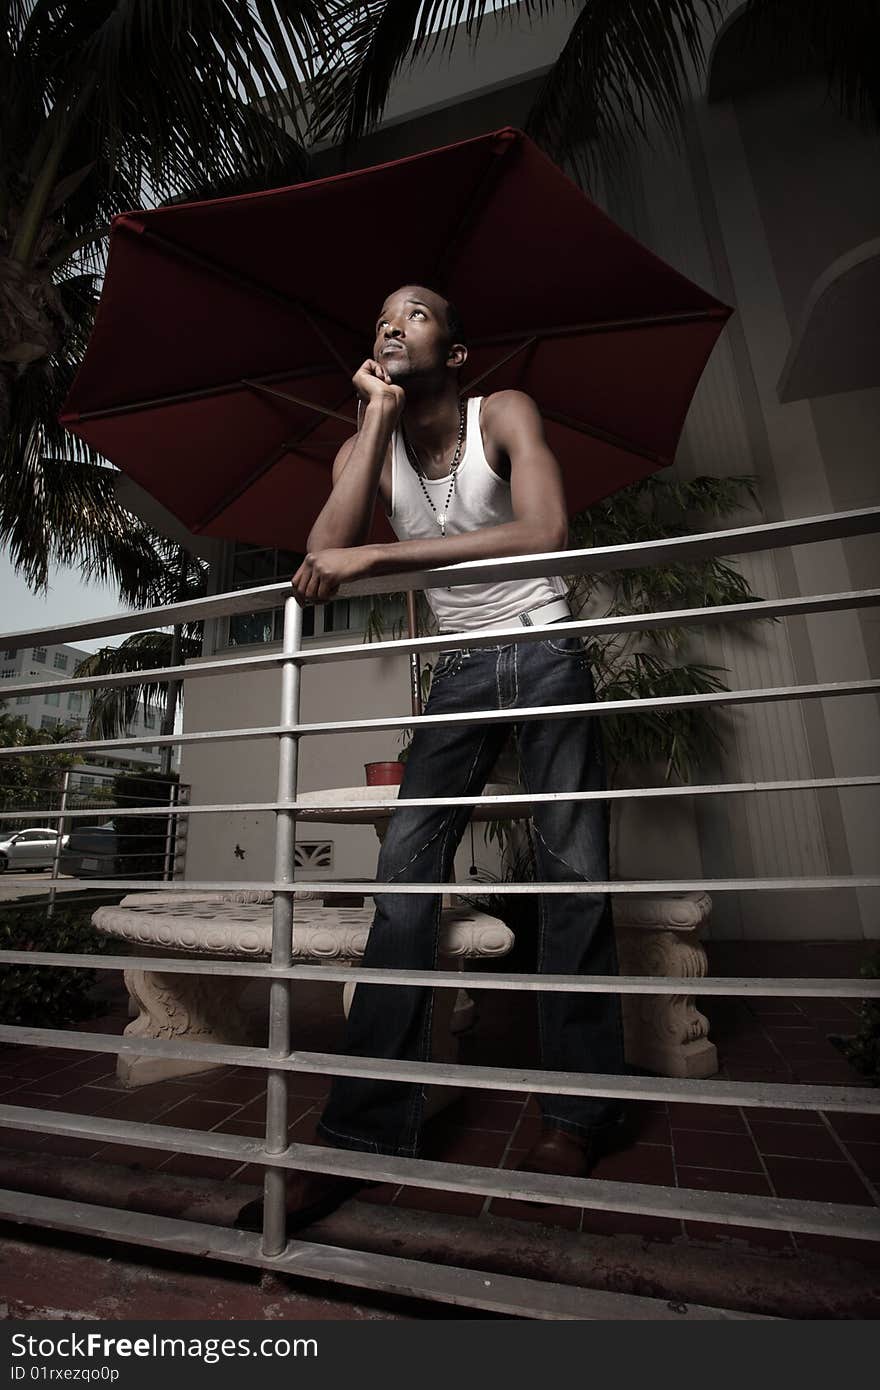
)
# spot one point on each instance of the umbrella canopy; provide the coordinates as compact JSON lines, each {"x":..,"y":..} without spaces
{"x":218,"y":375}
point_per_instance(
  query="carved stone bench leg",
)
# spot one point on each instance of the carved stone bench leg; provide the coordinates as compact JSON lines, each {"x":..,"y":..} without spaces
{"x":200,"y":1008}
{"x":665,"y":1033}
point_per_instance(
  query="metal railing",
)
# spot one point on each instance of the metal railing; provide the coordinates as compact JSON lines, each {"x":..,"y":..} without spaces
{"x":274,"y":1154}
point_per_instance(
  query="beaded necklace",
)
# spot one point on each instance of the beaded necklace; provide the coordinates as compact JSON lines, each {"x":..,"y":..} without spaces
{"x":440,"y":517}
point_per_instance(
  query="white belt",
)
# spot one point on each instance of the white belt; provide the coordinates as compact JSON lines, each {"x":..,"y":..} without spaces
{"x":550,"y":612}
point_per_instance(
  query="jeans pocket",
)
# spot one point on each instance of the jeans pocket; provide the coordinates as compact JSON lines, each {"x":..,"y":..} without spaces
{"x":449,"y":665}
{"x":573,"y":647}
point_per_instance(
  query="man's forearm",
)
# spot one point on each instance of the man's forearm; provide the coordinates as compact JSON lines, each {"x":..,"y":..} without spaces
{"x":346,"y":516}
{"x":489,"y":543}
{"x":323,"y":572}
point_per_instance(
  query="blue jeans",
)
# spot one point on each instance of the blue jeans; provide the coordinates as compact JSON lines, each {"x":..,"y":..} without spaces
{"x":578,"y":1032}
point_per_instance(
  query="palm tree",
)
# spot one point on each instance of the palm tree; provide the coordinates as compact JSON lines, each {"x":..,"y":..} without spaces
{"x":112,"y":709}
{"x":31,"y":783}
{"x":108,"y":105}
{"x":625,"y":65}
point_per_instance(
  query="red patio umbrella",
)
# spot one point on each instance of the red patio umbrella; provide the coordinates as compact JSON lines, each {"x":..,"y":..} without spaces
{"x":218,"y":375}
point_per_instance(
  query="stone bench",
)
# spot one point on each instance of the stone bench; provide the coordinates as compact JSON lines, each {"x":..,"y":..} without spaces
{"x":664,"y":1033}
{"x":238,"y":926}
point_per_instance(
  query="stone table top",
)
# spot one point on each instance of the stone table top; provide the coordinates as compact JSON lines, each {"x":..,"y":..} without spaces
{"x":369,"y":805}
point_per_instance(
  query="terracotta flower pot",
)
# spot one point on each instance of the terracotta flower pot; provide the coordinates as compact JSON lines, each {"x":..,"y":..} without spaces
{"x":388,"y":774}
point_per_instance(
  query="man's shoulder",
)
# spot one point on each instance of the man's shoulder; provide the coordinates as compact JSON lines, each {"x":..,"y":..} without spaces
{"x":508,"y":400}
{"x":508,"y":416}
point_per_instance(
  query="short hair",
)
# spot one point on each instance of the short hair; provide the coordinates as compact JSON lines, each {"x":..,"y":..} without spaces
{"x":453,"y":317}
{"x":454,"y":323}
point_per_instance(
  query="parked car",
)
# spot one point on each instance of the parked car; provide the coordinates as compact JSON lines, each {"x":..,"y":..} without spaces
{"x":29,"y":849}
{"x":92,"y":851}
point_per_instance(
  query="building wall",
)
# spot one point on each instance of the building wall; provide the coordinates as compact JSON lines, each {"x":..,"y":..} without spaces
{"x":785,"y":188}
{"x":58,"y":661}
{"x":240,"y":846}
{"x":46,"y":663}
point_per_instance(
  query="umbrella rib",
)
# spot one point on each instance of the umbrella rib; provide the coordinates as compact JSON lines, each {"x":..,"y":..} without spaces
{"x":584,"y":427}
{"x":298,"y":400}
{"x":233,"y":495}
{"x":230,"y":497}
{"x":566,"y":330}
{"x":247,"y":282}
{"x":489,"y":176}
{"x":203,"y":393}
{"x":522,"y":347}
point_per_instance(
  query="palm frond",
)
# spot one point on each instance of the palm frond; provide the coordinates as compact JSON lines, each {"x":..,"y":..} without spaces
{"x":114,"y":708}
{"x":378,"y":37}
{"x":57,"y":497}
{"x":840,"y":37}
{"x":178,"y":86}
{"x":625,"y":64}
{"x":656,"y":663}
{"x":660,"y":508}
{"x":682,"y":738}
{"x":109,"y":105}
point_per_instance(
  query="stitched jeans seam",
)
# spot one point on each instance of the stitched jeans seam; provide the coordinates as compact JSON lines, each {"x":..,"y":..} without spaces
{"x":417,"y":1098}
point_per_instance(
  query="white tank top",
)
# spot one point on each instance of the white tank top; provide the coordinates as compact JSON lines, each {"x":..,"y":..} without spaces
{"x":480,"y":499}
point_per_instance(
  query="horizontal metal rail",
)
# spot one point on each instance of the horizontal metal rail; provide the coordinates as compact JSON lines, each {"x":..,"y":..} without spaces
{"x":768,"y":1213}
{"x":277,"y":1062}
{"x":369,"y":889}
{"x":597,"y":560}
{"x":860,"y":1100}
{"x":460,"y":1287}
{"x":741,"y":540}
{"x":234,"y":601}
{"x":724,"y":698}
{"x":730,"y":986}
{"x":500,"y":801}
{"x":759,"y":610}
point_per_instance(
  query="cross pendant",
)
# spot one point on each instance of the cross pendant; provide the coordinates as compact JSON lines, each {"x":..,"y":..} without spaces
{"x":441,"y":522}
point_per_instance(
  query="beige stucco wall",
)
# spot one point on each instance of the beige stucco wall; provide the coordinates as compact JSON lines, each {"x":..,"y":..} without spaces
{"x":786,"y":187}
{"x":246,"y":771}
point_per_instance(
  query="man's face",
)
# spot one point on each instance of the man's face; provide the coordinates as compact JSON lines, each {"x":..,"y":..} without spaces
{"x":412,"y":334}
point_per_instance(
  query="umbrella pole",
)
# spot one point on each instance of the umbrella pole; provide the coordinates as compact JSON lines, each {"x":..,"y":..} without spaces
{"x":415,"y":668}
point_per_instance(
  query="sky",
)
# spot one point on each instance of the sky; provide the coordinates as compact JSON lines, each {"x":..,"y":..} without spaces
{"x":68,"y":600}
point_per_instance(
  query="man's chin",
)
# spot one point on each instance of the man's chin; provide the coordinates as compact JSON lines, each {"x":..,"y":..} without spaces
{"x":398,"y":367}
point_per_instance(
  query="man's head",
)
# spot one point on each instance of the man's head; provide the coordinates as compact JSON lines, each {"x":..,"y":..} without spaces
{"x":419,"y":335}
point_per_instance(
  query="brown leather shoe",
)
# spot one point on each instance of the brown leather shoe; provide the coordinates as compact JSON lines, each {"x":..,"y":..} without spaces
{"x":566,"y":1155}
{"x":309,"y":1197}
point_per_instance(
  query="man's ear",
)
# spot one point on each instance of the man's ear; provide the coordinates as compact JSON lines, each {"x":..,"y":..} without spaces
{"x":457,"y":355}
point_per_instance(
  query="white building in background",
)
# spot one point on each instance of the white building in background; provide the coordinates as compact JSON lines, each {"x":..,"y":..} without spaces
{"x":71,"y":708}
{"x":771,"y":202}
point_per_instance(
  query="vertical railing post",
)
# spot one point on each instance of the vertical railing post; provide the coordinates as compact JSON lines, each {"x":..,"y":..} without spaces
{"x":171,"y":833}
{"x":56,"y":857}
{"x":181,"y":831}
{"x":415,"y":666}
{"x":275,"y":1180}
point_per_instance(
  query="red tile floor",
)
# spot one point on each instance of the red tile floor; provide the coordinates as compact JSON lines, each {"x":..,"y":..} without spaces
{"x":799,"y":1154}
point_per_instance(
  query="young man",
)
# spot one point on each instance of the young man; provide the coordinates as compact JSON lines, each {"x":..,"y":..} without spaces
{"x":467,"y":480}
